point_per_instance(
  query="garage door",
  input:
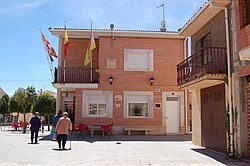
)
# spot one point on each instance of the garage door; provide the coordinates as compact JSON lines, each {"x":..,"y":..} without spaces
{"x":213,"y":108}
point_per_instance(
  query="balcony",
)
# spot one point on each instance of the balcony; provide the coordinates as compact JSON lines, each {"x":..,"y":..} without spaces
{"x":204,"y":68}
{"x":76,"y":75}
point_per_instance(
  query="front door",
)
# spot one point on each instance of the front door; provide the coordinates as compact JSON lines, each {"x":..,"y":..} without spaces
{"x":172,"y":114}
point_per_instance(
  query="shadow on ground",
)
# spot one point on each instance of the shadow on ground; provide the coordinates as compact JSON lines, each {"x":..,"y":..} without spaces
{"x":179,"y":137}
{"x":221,"y":157}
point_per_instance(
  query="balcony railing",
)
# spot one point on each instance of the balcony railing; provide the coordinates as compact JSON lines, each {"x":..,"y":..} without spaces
{"x":208,"y":60}
{"x":76,"y":75}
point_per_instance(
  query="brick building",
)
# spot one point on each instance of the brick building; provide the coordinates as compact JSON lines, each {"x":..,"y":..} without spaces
{"x":242,"y":57}
{"x":132,"y":82}
{"x":204,"y":71}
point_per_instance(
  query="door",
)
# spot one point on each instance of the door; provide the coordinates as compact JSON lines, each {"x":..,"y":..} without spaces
{"x":213,"y":109}
{"x":172,"y":114}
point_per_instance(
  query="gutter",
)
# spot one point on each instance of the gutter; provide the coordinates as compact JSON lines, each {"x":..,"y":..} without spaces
{"x":213,"y":5}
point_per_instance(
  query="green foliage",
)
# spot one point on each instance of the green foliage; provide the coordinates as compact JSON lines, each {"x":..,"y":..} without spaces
{"x":45,"y":104}
{"x":227,"y":127}
{"x":24,"y":99}
{"x":13,"y":106}
{"x":4,"y":104}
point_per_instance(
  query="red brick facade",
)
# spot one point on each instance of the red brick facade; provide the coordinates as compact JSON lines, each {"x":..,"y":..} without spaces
{"x":167,"y":53}
{"x":243,"y":32}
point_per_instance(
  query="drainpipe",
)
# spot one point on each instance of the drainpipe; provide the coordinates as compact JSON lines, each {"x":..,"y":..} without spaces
{"x":186,"y":91}
{"x":229,"y":77}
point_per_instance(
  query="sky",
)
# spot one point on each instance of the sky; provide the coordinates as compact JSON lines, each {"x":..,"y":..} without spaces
{"x":23,"y":60}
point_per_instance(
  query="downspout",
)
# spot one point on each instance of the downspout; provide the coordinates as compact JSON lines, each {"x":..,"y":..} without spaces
{"x":229,"y":77}
{"x":186,"y":91}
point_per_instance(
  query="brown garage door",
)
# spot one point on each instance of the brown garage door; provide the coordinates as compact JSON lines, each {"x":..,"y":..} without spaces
{"x":213,"y":108}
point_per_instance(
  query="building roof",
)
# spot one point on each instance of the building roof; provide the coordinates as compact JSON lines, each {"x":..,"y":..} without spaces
{"x":50,"y":92}
{"x":84,"y":33}
{"x":203,"y":16}
{"x":2,"y":92}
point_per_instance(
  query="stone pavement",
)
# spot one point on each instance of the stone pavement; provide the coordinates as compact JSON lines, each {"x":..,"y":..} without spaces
{"x":174,"y":150}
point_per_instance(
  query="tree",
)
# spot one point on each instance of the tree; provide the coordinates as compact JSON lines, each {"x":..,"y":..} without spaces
{"x":14,"y":107}
{"x":4,"y":104}
{"x":25,"y":99}
{"x":45,"y":105}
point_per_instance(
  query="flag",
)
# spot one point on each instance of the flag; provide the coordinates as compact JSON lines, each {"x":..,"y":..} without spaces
{"x":65,"y":42}
{"x":48,"y":48}
{"x":91,"y":46}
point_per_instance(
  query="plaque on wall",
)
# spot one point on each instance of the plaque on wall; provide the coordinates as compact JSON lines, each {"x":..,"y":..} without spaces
{"x":157,"y":105}
{"x":118,"y":97}
{"x":111,"y":63}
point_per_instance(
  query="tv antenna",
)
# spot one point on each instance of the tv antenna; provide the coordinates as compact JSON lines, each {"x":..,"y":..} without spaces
{"x":163,"y":22}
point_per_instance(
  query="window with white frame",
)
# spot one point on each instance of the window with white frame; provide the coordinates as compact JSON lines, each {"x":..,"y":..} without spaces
{"x":97,"y":103}
{"x":138,"y":60}
{"x":138,"y":104}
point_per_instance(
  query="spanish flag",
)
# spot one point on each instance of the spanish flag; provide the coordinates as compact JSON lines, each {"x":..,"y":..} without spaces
{"x":65,"y":42}
{"x":48,"y":48}
{"x":91,"y":46}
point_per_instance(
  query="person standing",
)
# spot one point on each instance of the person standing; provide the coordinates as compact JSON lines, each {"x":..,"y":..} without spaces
{"x":63,"y":127}
{"x":56,"y":118}
{"x":35,"y":125}
{"x":54,"y":122}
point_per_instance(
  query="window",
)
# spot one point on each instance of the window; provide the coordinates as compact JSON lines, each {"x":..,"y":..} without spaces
{"x":138,"y":104}
{"x":97,"y":109}
{"x":138,"y":60}
{"x":138,"y":109}
{"x":97,"y":104}
{"x":206,"y":55}
{"x":244,"y":13}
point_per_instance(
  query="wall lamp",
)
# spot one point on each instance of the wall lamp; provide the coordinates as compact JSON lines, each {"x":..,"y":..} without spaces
{"x":152,"y":80}
{"x":111,"y":80}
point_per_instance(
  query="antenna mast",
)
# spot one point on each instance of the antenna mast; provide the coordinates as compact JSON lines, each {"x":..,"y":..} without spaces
{"x":163,"y":22}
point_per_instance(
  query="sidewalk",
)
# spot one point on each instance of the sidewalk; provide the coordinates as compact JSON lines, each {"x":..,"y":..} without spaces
{"x":119,"y":150}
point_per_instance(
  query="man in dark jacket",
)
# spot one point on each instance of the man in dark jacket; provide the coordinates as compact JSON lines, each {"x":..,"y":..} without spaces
{"x":35,"y":123}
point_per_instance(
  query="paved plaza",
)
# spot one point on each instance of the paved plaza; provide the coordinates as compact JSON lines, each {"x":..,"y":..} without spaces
{"x":174,"y":150}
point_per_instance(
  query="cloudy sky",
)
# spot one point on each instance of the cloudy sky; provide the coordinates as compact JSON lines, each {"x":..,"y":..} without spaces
{"x":23,"y":60}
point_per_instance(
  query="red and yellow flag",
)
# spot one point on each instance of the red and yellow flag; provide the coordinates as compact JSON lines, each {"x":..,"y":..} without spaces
{"x":91,"y":46}
{"x":48,"y":47}
{"x":65,"y":42}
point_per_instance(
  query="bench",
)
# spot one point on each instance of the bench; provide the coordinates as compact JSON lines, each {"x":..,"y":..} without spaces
{"x":129,"y":129}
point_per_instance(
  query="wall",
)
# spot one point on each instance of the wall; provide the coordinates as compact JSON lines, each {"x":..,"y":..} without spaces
{"x":218,"y":33}
{"x":167,"y":54}
{"x":196,"y":117}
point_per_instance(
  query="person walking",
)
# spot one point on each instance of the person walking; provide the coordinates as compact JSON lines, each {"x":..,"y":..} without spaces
{"x":56,"y":118}
{"x":54,"y":122}
{"x":63,"y":127}
{"x":35,"y":125}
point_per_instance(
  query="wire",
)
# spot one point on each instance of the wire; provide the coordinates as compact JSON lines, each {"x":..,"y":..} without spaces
{"x":23,"y":80}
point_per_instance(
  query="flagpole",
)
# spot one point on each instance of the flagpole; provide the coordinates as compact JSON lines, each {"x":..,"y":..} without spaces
{"x":49,"y":61}
{"x":91,"y":70}
{"x":64,"y":51}
{"x":64,"y":69}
